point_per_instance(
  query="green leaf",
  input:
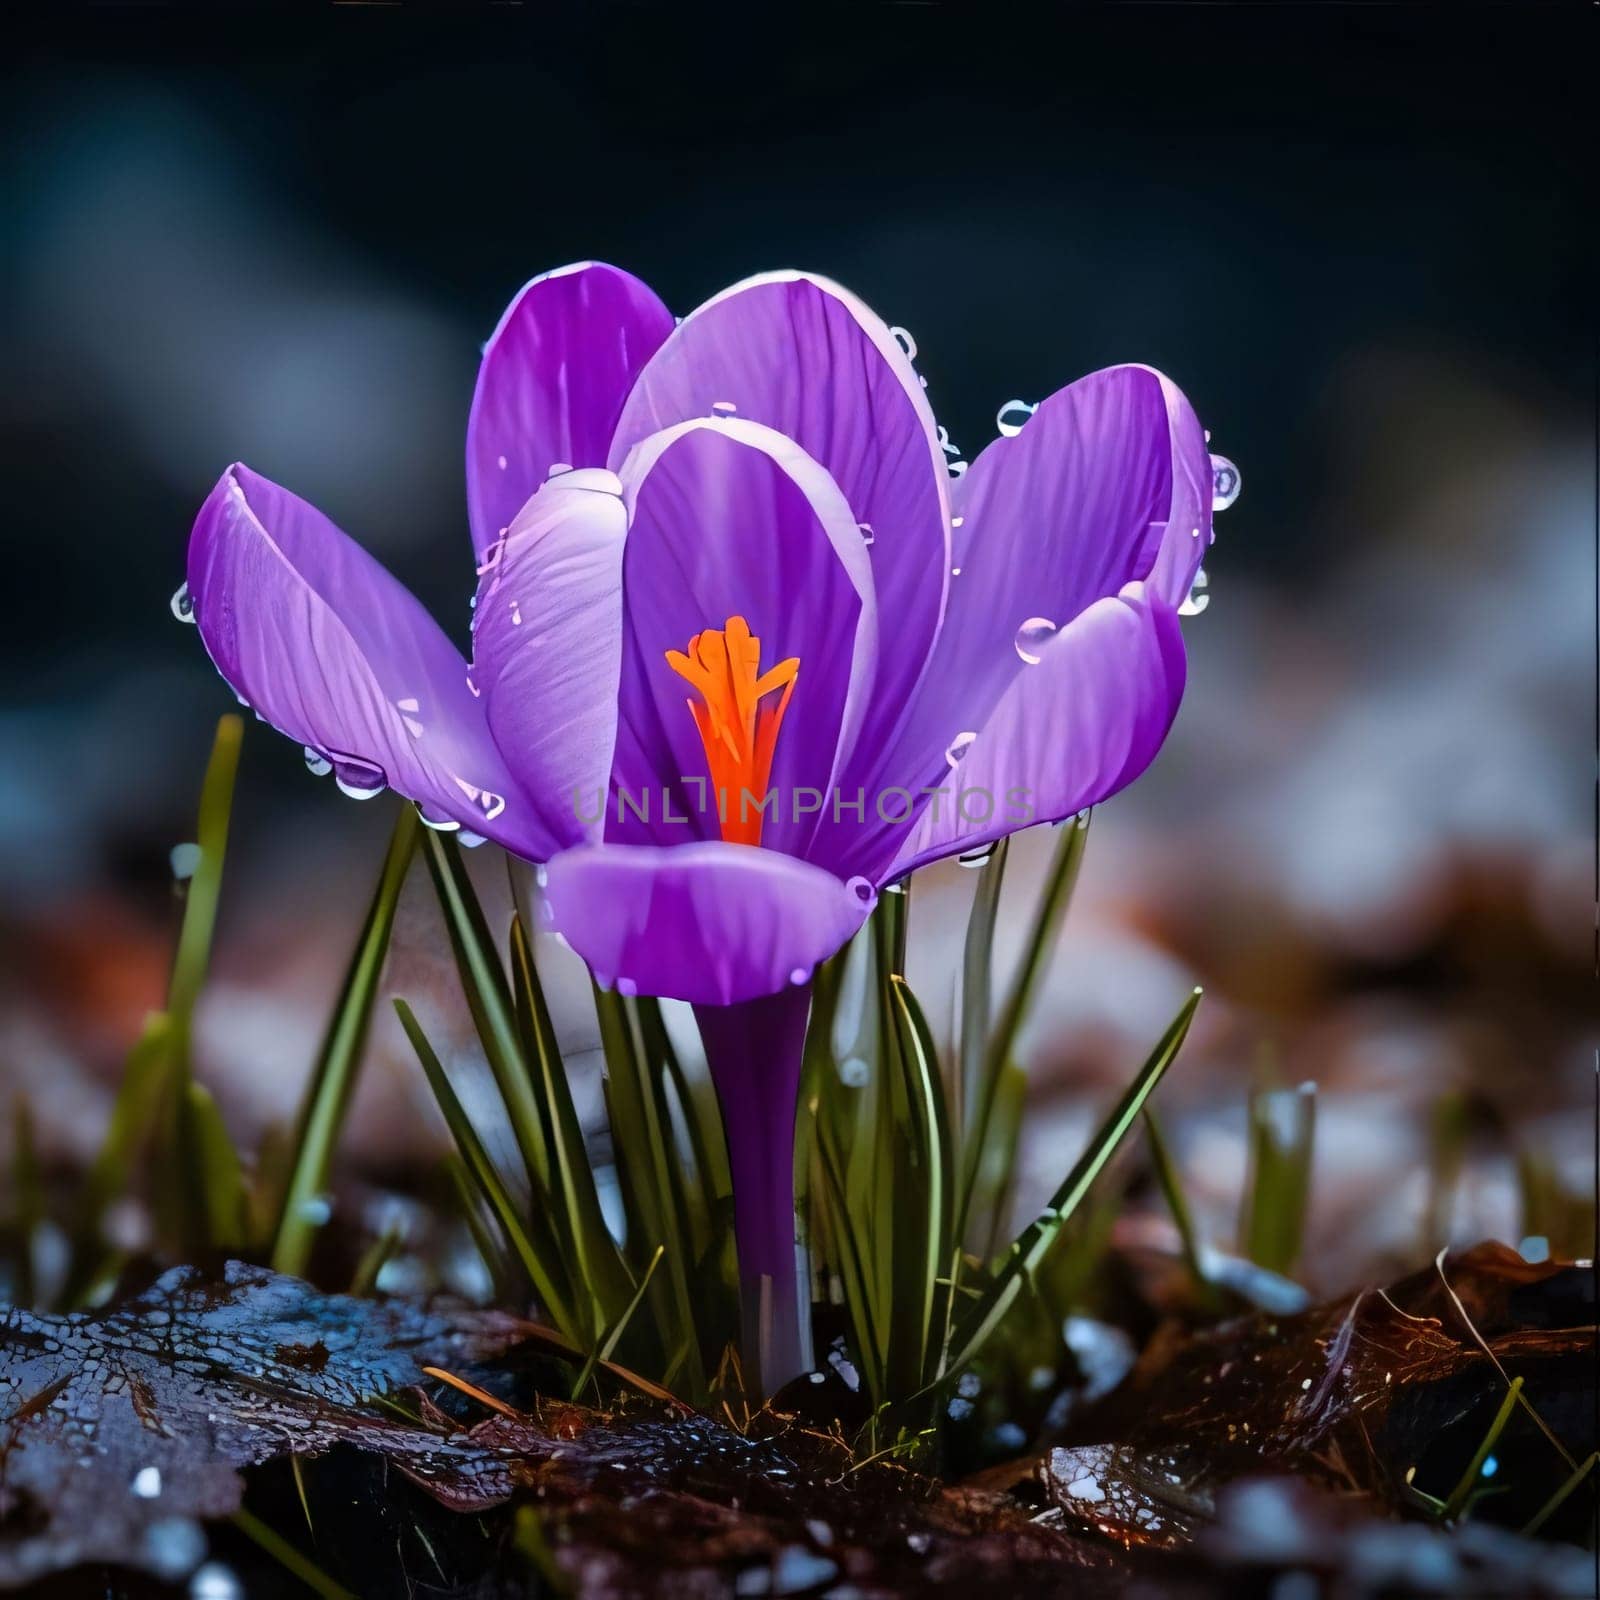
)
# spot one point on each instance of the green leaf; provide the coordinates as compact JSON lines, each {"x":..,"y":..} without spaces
{"x":1560,"y":1497}
{"x":1470,"y":1479}
{"x":980,"y":1321}
{"x":608,"y":1341}
{"x":221,"y":1176}
{"x":650,"y":1177}
{"x":594,"y":1266}
{"x":332,"y":1083}
{"x":543,"y":1266}
{"x":488,"y":995}
{"x":1282,"y":1123}
{"x":921,"y":1242}
{"x":193,"y":956}
{"x":1052,"y":908}
{"x":977,"y":979}
{"x":290,"y":1559}
{"x":1171,"y":1184}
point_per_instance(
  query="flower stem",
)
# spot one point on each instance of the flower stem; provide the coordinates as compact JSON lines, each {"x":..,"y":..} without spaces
{"x":754,"y":1051}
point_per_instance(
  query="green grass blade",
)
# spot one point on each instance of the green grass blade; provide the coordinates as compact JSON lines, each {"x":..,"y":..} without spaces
{"x":1282,"y":1125}
{"x":1052,"y":908}
{"x":979,"y":1322}
{"x":977,"y":979}
{"x":222,"y":1187}
{"x":542,"y":1266}
{"x":327,"y":1094}
{"x":1469,"y":1480}
{"x":193,"y":957}
{"x":290,"y":1559}
{"x":1171,"y":1184}
{"x":850,"y":1261}
{"x":1560,"y":1497}
{"x":650,"y":1178}
{"x":594,"y":1267}
{"x":373,"y":1260}
{"x":921,"y":1243}
{"x":489,"y":999}
{"x":608,"y":1342}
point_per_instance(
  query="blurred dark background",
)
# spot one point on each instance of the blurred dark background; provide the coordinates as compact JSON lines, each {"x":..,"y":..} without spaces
{"x":1360,"y":237}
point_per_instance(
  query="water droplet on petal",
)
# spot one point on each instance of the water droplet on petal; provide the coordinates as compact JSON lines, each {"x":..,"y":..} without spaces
{"x":862,"y":889}
{"x":516,"y":613}
{"x":437,"y":820}
{"x":185,"y":859}
{"x":469,"y":840}
{"x":867,"y":535}
{"x":626,"y":986}
{"x":853,"y":1072}
{"x":724,"y":408}
{"x":558,"y":468}
{"x":1224,"y":483}
{"x":976,"y":858}
{"x":955,"y":572}
{"x":183,"y":603}
{"x":959,"y":747}
{"x":473,"y":689}
{"x":500,"y":461}
{"x":317,"y":764}
{"x":1032,"y":637}
{"x":541,"y":876}
{"x":799,"y":975}
{"x":358,"y":780}
{"x":902,"y":338}
{"x":957,"y":469}
{"x":1010,"y":418}
{"x":1198,"y":599}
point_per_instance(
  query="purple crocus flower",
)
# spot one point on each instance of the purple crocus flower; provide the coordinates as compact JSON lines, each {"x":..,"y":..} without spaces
{"x":743,"y":651}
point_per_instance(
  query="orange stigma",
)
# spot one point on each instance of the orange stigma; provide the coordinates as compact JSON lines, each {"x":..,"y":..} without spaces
{"x":739,"y":733}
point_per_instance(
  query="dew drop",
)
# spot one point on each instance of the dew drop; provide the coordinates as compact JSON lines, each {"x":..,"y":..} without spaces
{"x":437,"y":820}
{"x":1199,"y":598}
{"x":516,"y":613}
{"x":955,"y":572}
{"x":862,"y":889}
{"x":541,"y":876}
{"x":799,"y":975}
{"x":183,"y":603}
{"x":867,"y":535}
{"x":976,"y":858}
{"x":147,"y":1482}
{"x":558,"y":468}
{"x":959,"y":747}
{"x":469,"y":840}
{"x":500,"y":461}
{"x":473,"y":689}
{"x":1009,"y":419}
{"x":957,"y":469}
{"x":317,"y":764}
{"x":213,"y":1581}
{"x":1032,"y":637}
{"x":185,"y":861}
{"x":357,"y":780}
{"x":853,"y":1072}
{"x":627,"y":987}
{"x":724,"y":408}
{"x":1225,"y":483}
{"x":316,"y":1209}
{"x":903,"y":338}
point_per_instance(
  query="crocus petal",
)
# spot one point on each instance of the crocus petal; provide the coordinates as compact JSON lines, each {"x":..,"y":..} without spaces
{"x":1108,"y":483}
{"x":730,"y":519}
{"x":553,"y":379}
{"x":711,"y":923}
{"x":336,"y":653}
{"x":806,"y":357}
{"x":1068,"y":733}
{"x":547,"y":646}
